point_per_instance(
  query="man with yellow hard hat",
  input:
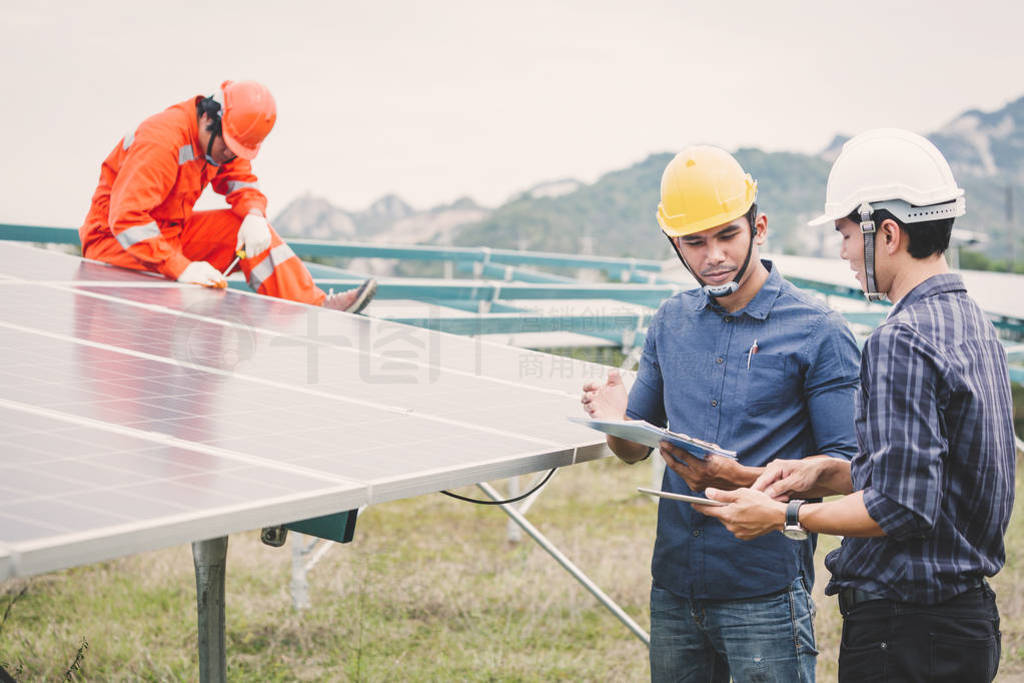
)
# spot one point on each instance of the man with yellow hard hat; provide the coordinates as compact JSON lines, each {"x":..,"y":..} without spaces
{"x":750,"y":362}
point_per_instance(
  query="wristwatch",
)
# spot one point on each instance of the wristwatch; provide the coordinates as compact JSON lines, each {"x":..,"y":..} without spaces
{"x":793,"y":529}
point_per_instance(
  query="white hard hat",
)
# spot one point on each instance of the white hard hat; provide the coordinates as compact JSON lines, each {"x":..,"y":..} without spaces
{"x":894,"y":169}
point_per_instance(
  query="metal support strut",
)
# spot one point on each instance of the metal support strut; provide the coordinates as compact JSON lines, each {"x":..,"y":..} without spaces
{"x":210,"y":558}
{"x":567,"y":564}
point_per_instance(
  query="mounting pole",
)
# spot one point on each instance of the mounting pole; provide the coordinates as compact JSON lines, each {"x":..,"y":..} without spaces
{"x":210,"y":558}
{"x":567,"y":564}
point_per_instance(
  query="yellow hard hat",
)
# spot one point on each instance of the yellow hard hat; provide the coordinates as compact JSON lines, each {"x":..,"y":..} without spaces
{"x":703,"y":187}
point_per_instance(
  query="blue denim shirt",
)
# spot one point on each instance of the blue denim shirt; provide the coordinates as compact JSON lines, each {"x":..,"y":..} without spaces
{"x":794,"y":398}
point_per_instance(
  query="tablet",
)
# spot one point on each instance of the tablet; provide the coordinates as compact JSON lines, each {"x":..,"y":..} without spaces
{"x":697,"y":500}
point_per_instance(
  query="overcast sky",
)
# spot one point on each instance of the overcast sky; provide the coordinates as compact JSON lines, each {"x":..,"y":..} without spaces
{"x":437,"y":100}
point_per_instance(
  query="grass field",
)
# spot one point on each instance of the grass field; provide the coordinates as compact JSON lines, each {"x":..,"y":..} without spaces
{"x":430,"y":590}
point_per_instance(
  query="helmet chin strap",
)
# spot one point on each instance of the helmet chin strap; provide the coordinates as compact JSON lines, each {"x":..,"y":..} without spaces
{"x":718,"y":291}
{"x":867,"y":229}
{"x":209,"y":149}
{"x":211,"y":107}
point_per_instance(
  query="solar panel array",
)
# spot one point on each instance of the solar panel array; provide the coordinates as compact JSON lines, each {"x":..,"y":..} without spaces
{"x":136,"y":413}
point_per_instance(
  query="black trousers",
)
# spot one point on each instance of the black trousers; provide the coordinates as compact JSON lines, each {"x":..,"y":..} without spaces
{"x":956,"y":641}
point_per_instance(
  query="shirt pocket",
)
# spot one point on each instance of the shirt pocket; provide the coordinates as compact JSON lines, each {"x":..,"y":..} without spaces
{"x":767,"y":384}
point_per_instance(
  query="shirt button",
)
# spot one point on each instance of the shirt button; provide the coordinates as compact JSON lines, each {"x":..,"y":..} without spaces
{"x":728,"y":318}
{"x":719,"y":360}
{"x":714,"y":404}
{"x":696,"y":533}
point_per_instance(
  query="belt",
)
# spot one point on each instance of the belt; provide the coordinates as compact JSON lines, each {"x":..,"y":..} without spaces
{"x":851,"y":597}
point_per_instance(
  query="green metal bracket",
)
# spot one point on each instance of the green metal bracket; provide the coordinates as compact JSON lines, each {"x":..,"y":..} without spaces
{"x":35,"y":233}
{"x":339,"y":527}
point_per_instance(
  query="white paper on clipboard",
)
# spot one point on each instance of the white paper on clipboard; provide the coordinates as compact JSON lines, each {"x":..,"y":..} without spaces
{"x":647,"y":434}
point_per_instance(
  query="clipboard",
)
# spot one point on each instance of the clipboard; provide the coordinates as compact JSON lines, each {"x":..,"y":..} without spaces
{"x":642,"y":432}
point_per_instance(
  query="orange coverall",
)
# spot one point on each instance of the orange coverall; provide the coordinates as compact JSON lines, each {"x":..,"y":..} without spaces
{"x":141,"y":215}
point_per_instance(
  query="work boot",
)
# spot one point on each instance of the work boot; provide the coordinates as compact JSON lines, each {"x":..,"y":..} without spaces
{"x":352,"y":300}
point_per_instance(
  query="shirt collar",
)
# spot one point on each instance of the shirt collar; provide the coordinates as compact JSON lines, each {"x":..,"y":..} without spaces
{"x":758,"y":307}
{"x":936,"y":284}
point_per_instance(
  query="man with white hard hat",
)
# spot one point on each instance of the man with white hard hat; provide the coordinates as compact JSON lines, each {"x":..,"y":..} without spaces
{"x":931,"y":488}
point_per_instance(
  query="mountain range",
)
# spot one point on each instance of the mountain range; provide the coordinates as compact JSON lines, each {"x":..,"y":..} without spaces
{"x":615,"y":214}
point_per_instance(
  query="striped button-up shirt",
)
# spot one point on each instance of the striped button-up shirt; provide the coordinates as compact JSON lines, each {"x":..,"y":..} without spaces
{"x":936,"y":453}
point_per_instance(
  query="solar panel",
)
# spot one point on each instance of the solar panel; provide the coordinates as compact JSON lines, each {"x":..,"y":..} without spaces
{"x":136,"y":413}
{"x":996,"y":293}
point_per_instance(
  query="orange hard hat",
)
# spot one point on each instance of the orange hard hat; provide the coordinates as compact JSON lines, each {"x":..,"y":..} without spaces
{"x":249,"y":115}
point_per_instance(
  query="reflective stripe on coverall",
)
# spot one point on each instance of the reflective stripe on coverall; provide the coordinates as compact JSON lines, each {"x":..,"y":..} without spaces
{"x":141,"y":215}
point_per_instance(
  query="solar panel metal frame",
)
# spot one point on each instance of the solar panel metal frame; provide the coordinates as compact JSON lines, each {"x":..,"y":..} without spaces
{"x":53,"y":279}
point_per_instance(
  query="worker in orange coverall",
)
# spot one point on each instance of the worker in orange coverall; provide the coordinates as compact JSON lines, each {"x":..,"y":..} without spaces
{"x":141,"y":215}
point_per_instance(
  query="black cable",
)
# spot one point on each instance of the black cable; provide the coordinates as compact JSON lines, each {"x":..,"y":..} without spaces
{"x":501,"y":502}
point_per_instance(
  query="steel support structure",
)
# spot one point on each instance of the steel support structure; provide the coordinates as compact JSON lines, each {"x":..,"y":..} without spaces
{"x":210,"y":559}
{"x":567,"y":564}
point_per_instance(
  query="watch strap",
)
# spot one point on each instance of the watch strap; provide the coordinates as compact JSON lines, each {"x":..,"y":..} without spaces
{"x":793,"y":514}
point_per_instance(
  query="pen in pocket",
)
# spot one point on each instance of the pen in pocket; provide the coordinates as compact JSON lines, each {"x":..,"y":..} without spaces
{"x":751,"y":352}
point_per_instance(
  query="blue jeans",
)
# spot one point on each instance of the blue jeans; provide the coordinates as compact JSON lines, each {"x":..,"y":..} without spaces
{"x":768,"y":638}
